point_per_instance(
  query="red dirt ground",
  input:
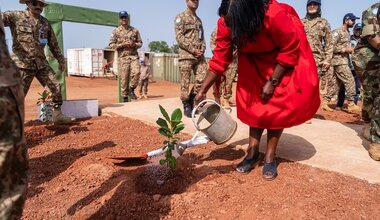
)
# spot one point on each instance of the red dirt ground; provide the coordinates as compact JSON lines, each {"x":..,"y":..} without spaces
{"x":72,"y":175}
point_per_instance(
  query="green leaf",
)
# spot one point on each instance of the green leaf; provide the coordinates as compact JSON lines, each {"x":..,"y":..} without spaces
{"x":176,"y":115}
{"x":161,"y":122}
{"x":175,"y":123}
{"x":164,"y":113}
{"x":178,"y":129}
{"x":165,"y":142}
{"x":162,"y":162}
{"x":172,"y":162}
{"x":165,"y":132}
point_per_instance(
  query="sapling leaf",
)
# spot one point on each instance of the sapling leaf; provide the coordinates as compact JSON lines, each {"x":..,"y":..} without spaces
{"x":162,"y":162}
{"x":165,"y":132}
{"x":161,"y":122}
{"x":176,"y":115}
{"x":178,"y":128}
{"x":164,"y":113}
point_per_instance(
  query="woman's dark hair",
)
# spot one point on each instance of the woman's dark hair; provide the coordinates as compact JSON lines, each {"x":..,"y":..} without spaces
{"x":223,"y":9}
{"x":246,"y":19}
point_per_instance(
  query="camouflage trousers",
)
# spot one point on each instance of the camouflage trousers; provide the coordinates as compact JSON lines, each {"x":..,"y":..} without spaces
{"x":224,"y":86}
{"x":13,"y":153}
{"x":324,"y":77}
{"x":46,"y":77}
{"x":342,"y":75}
{"x":143,"y":84}
{"x":199,"y":67}
{"x":129,"y":74}
{"x":371,"y":103}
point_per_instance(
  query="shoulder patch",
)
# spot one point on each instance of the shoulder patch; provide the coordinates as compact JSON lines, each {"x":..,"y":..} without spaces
{"x":336,"y":34}
{"x":374,"y":11}
{"x":177,"y":20}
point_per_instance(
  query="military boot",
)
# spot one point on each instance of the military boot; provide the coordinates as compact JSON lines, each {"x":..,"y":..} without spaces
{"x":132,"y":93}
{"x":374,"y":151}
{"x":126,"y":99}
{"x":226,"y":103}
{"x":191,"y":99}
{"x":326,"y":107}
{"x":187,"y":108}
{"x":352,"y":108}
{"x":366,"y":130}
{"x":59,"y":118}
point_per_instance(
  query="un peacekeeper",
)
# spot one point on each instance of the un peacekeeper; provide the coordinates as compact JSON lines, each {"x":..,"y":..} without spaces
{"x":13,"y":151}
{"x":31,"y":32}
{"x":366,"y":61}
{"x":126,"y":40}
{"x":318,"y":33}
{"x":192,"y":46}
{"x":340,"y":62}
{"x":230,"y":74}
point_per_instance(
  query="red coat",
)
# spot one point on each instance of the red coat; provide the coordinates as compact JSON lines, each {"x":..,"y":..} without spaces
{"x":282,"y":41}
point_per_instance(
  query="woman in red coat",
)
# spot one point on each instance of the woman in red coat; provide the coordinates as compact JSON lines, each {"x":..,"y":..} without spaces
{"x":277,"y":86}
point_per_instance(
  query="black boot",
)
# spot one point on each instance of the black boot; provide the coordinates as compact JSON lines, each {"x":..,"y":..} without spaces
{"x":187,"y":108}
{"x":132,"y":94}
{"x":191,"y":100}
{"x":126,"y":99}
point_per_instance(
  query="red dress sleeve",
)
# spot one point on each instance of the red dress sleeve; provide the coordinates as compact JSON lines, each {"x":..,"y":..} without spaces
{"x":285,"y":37}
{"x":223,"y":52}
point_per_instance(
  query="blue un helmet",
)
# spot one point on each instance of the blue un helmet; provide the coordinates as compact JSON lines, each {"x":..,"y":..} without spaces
{"x":358,"y":26}
{"x":123,"y":14}
{"x":314,"y":1}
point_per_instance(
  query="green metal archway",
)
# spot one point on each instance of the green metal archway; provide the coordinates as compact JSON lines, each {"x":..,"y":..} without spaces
{"x":58,"y":13}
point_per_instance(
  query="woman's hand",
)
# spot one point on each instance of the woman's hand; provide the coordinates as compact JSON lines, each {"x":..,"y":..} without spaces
{"x":267,"y":91}
{"x":199,"y":97}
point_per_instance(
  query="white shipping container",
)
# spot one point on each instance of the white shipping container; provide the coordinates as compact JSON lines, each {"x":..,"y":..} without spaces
{"x":90,"y":62}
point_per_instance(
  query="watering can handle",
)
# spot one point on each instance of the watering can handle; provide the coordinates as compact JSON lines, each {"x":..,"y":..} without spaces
{"x":198,"y":106}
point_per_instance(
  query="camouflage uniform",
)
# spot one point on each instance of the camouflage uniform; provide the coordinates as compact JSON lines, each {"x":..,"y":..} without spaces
{"x":128,"y":56}
{"x":13,"y":151}
{"x":318,"y":33}
{"x":229,"y":74}
{"x":340,"y":63}
{"x":30,"y":36}
{"x":371,"y":83}
{"x":190,"y":37}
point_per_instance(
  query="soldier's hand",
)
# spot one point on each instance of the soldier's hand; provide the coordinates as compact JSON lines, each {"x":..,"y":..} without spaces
{"x":198,"y":53}
{"x":62,"y":66}
{"x":349,"y":50}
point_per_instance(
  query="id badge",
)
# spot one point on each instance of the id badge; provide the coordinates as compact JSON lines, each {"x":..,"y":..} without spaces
{"x":43,"y":41}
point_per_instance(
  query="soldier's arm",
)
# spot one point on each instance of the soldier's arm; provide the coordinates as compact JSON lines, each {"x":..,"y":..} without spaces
{"x":54,"y":46}
{"x":329,"y":45}
{"x":182,"y":41}
{"x":113,"y":41}
{"x":338,"y":48}
{"x":203,"y":47}
{"x":138,"y":43}
{"x":8,"y":18}
{"x":213,"y":41}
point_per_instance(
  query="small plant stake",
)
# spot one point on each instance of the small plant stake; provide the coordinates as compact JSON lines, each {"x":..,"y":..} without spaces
{"x":46,"y":107}
{"x":170,"y":127}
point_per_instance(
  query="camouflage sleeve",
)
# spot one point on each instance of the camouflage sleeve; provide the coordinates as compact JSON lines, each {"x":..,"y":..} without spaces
{"x":329,"y":45}
{"x":113,"y":41}
{"x":138,"y":42}
{"x":338,"y":47}
{"x":203,"y":47}
{"x":213,"y":41}
{"x":182,"y":41}
{"x":8,"y":18}
{"x":54,"y":46}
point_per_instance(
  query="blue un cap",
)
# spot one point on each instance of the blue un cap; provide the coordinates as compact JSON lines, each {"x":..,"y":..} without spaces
{"x":358,"y":26}
{"x":314,"y":1}
{"x":350,"y":16}
{"x":123,"y":14}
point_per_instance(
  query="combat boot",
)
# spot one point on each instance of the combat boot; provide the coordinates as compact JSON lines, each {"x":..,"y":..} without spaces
{"x":374,"y":151}
{"x":132,"y":94}
{"x":366,"y":130}
{"x":126,"y":99}
{"x":326,"y":107}
{"x":187,"y":108}
{"x":191,"y":100}
{"x":352,"y":108}
{"x":59,"y":118}
{"x":226,"y":103}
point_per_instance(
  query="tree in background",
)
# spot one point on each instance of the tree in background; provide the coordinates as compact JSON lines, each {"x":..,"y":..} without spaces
{"x":162,"y":47}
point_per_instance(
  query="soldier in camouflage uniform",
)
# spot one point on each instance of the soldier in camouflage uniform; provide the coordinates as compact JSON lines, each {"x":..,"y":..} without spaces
{"x":367,"y":64}
{"x":192,"y":45}
{"x":31,"y":32}
{"x":227,"y":80}
{"x":126,"y":40}
{"x":13,"y":151}
{"x":318,"y":33}
{"x":340,"y":62}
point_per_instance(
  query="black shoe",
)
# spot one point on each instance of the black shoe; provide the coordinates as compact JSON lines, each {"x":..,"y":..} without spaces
{"x":191,"y":99}
{"x":132,"y":94}
{"x":125,"y":99}
{"x":187,"y":109}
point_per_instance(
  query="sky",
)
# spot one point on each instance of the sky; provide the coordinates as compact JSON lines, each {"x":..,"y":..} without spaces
{"x":155,"y":18}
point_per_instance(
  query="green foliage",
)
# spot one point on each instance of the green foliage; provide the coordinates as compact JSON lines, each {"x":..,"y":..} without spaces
{"x":174,"y":48}
{"x":169,"y":127}
{"x":159,"y":47}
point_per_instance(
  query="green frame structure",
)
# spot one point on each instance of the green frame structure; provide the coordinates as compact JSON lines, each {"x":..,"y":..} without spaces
{"x":58,"y":13}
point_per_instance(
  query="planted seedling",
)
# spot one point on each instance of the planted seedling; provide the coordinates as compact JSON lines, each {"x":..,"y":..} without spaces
{"x":170,"y":127}
{"x":46,"y":107}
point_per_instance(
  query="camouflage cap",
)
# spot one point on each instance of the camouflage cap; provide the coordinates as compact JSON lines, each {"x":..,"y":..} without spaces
{"x":26,"y":1}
